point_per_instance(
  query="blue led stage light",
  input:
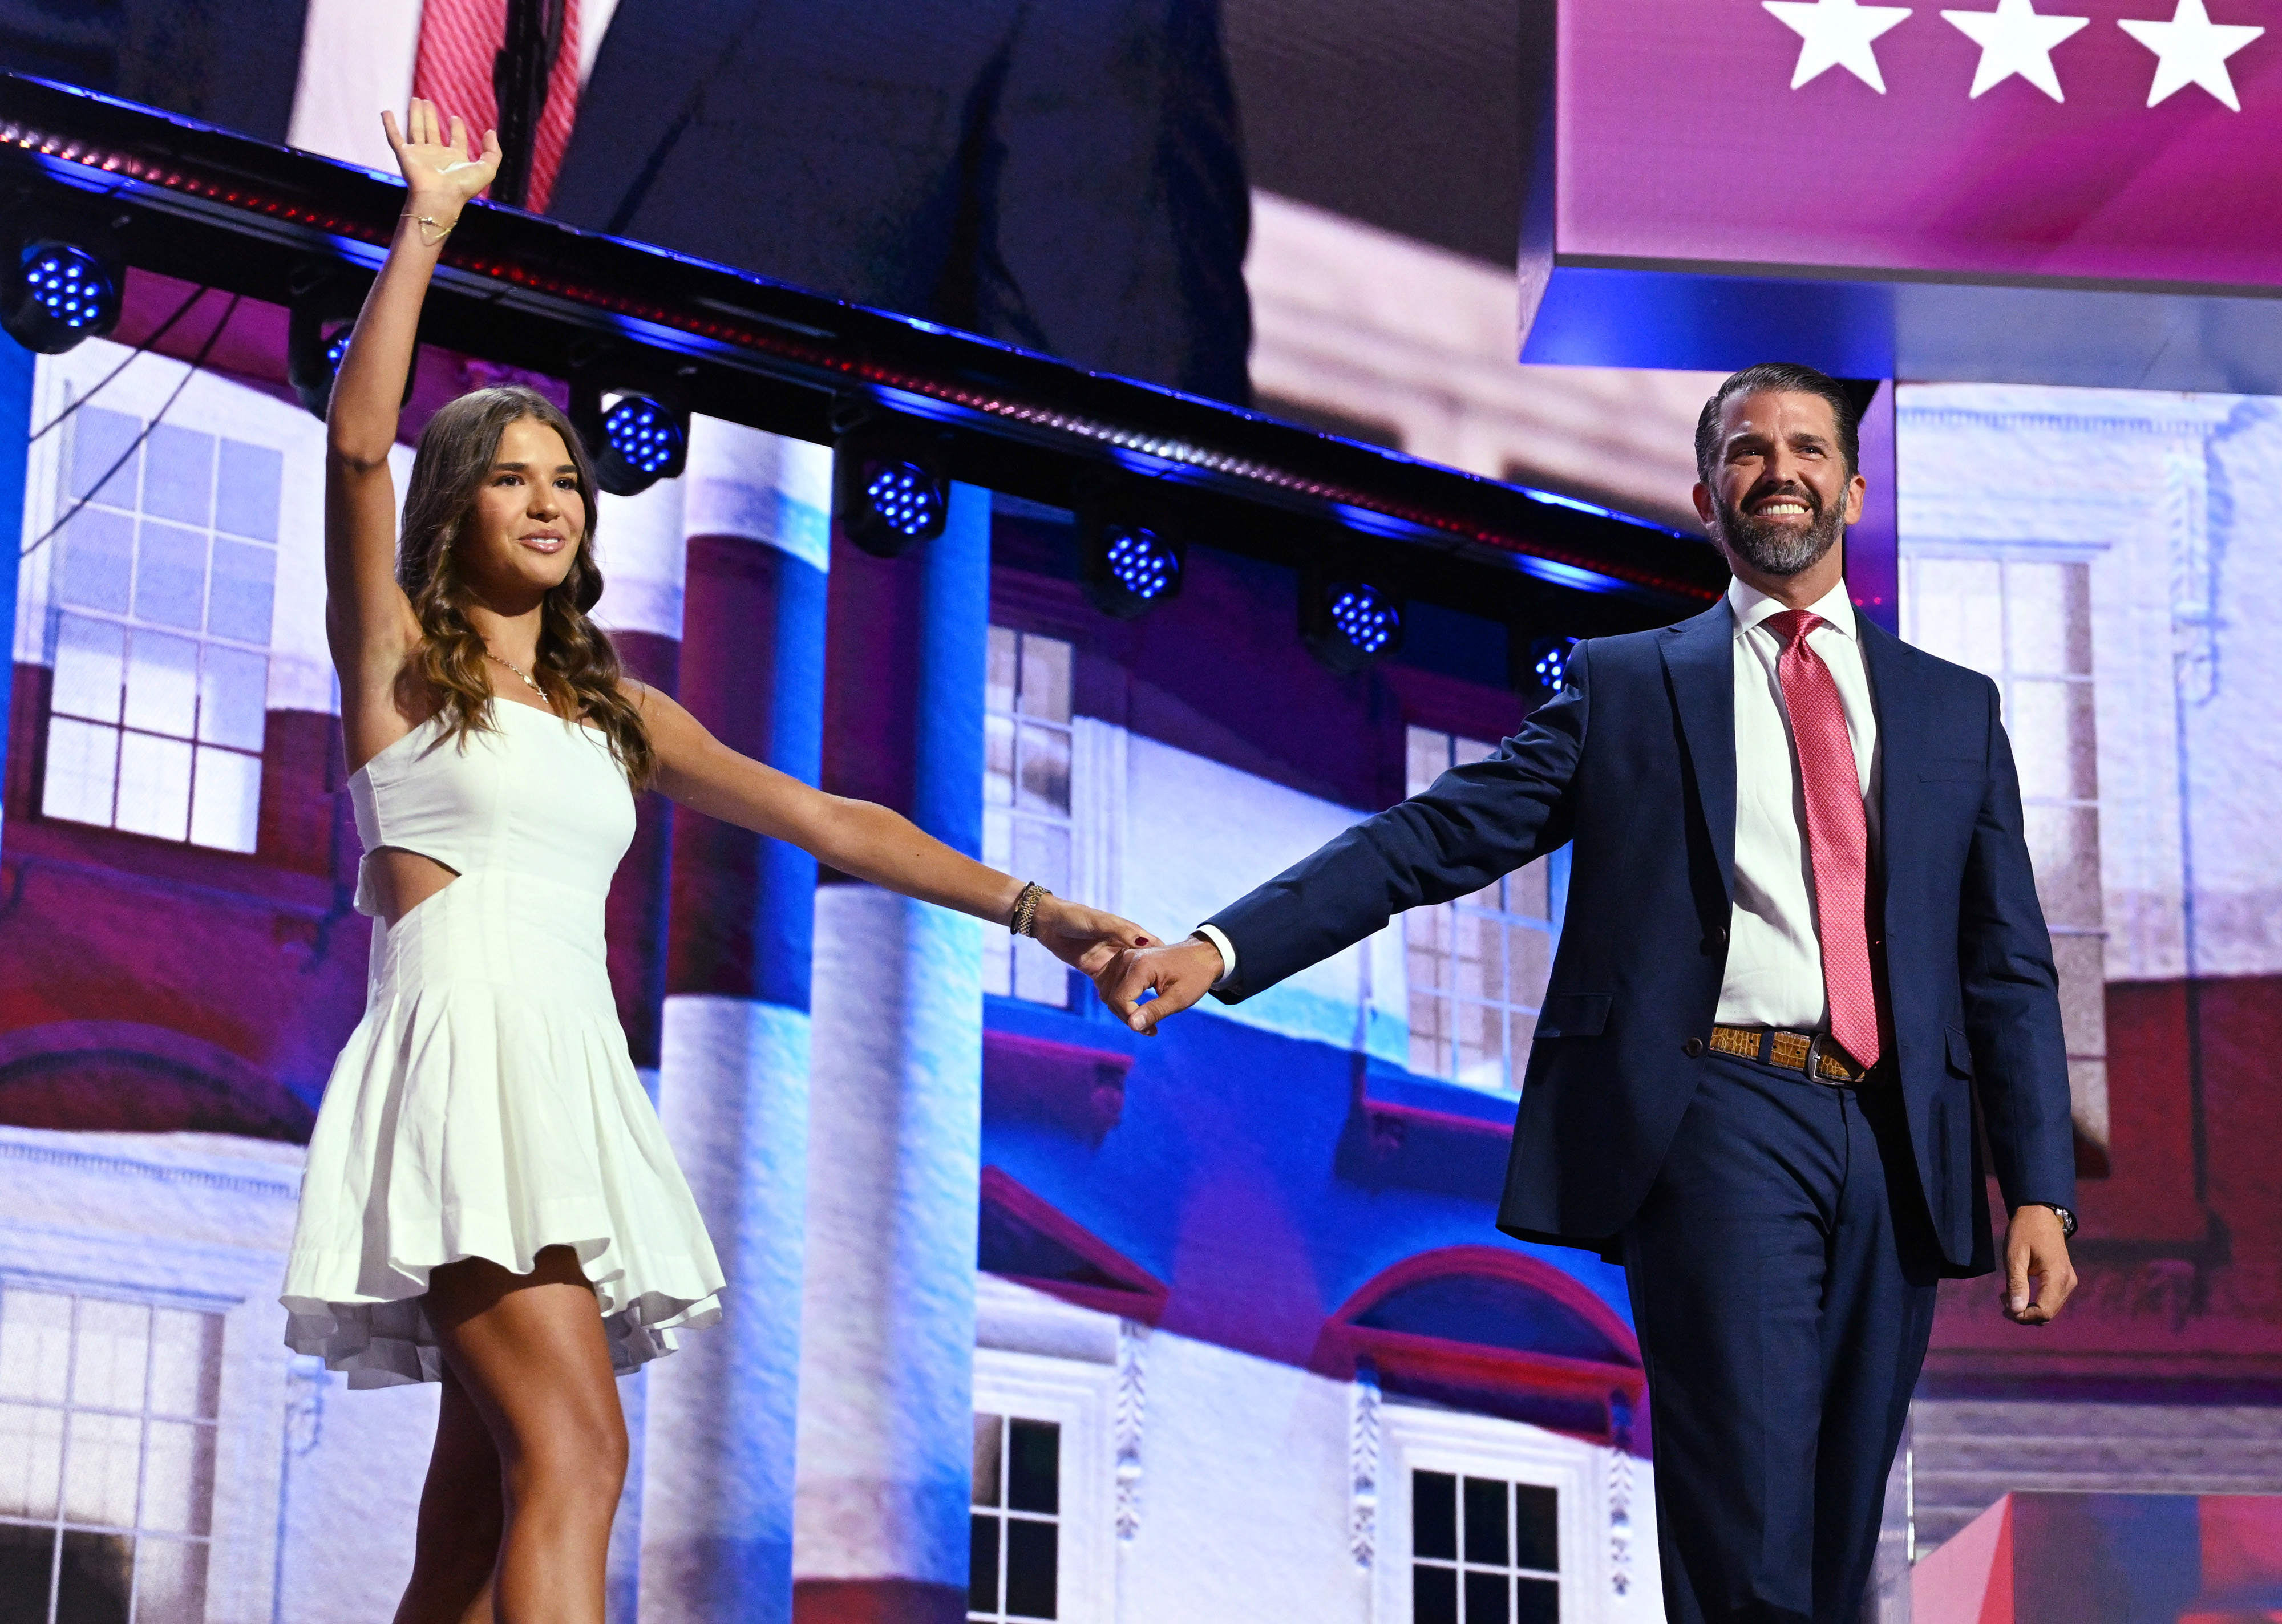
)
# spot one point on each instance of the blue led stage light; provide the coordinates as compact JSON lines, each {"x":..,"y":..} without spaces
{"x":1130,"y":560}
{"x":643,"y":434}
{"x":1551,"y":666}
{"x":1347,"y":625}
{"x":635,"y":437}
{"x":60,"y":294}
{"x":891,"y":485}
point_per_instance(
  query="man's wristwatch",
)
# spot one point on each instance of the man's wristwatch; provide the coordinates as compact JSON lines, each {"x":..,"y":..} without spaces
{"x":2068,"y":1218}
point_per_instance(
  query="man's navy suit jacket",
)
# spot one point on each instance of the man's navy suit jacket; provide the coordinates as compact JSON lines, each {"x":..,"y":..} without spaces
{"x":1634,"y":762}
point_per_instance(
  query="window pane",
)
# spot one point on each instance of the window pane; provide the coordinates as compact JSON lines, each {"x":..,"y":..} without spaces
{"x":998,"y":960}
{"x":1045,"y":784}
{"x":2064,"y":847}
{"x":1465,"y":752}
{"x":35,"y":1345}
{"x":154,"y":786}
{"x":233,"y":698}
{"x":100,"y":437}
{"x":1956,"y":611}
{"x":1537,"y":1528}
{"x":1038,"y":976}
{"x":111,"y":1355}
{"x":177,"y":1477}
{"x":1042,"y":853}
{"x":989,"y":1440}
{"x":1046,"y":679}
{"x":27,"y":1563}
{"x":243,"y":578}
{"x":31,"y":1459}
{"x":998,"y":837}
{"x":1526,"y":892}
{"x":1539,"y":1601}
{"x":998,"y":761}
{"x":1435,"y":1515}
{"x":93,"y":1586}
{"x":103,"y":1457}
{"x":983,"y":1565}
{"x":245,"y":503}
{"x":2037,"y":721}
{"x":1429,"y":754}
{"x":178,"y":474}
{"x":1485,"y":1521}
{"x":170,"y":575}
{"x":1529,"y":965}
{"x":1434,"y":1595}
{"x":998,"y":685}
{"x":1034,"y":1456}
{"x":83,"y":770}
{"x":1488,"y":1598}
{"x":1031,"y":1559}
{"x":170,"y":1582}
{"x":162,"y":683}
{"x":2036,"y":618}
{"x":98,"y":561}
{"x":185,"y":1363}
{"x":91,"y":671}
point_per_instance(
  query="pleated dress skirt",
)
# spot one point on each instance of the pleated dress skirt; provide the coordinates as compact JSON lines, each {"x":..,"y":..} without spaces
{"x":486,"y":1107}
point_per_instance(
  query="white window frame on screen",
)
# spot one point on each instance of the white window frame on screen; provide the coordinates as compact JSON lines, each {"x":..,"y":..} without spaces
{"x":1414,"y":1438}
{"x":1011,"y":967}
{"x":1428,"y":936}
{"x":1076,"y":1396}
{"x":2079,"y":932}
{"x":83,"y":1297}
{"x":49,"y":631}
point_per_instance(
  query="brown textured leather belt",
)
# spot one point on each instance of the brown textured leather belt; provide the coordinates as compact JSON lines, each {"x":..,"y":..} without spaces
{"x":1811,"y":1053}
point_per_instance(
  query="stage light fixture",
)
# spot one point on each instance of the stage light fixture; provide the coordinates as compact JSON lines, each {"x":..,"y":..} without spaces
{"x":60,"y":294}
{"x":326,"y":298}
{"x":1348,"y":625}
{"x":634,"y":437}
{"x":890,"y":490}
{"x":1537,"y":667}
{"x":1131,"y":560}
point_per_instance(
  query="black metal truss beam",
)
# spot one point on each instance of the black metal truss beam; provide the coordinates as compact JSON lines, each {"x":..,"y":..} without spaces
{"x":207,"y":206}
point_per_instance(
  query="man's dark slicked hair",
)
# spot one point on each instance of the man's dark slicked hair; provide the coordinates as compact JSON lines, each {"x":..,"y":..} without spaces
{"x":1786,"y":377}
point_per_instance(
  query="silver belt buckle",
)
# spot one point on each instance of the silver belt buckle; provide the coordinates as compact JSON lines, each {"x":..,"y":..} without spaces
{"x":1815,"y":1062}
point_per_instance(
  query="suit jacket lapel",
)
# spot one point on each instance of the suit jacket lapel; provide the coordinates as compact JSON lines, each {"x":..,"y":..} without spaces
{"x":1699,"y":658}
{"x":1901,"y":748}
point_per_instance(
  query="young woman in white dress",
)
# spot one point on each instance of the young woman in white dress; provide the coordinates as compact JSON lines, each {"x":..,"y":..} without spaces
{"x":490,"y":1203}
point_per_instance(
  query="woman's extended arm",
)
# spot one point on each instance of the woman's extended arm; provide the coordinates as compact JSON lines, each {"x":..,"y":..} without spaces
{"x":368,"y":622}
{"x":858,"y":838}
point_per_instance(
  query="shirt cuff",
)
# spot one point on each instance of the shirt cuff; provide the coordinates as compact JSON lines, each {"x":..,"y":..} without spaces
{"x":1212,"y":934}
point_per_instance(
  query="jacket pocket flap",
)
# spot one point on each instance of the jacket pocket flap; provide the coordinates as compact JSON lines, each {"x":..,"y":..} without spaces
{"x":1574,"y":1015}
{"x":1960,"y":1053}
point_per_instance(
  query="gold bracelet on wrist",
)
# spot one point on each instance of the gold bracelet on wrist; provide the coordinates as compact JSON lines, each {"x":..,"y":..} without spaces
{"x":429,"y":222}
{"x":1025,"y":922}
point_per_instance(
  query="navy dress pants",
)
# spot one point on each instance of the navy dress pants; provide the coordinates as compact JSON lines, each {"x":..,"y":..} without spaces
{"x":1783,"y":1274}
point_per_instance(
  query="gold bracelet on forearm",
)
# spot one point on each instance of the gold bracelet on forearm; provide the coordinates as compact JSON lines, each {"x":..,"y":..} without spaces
{"x":1025,"y":923}
{"x":427,"y":223}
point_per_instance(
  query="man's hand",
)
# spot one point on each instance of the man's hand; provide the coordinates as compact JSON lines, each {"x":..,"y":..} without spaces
{"x":1178,"y":975}
{"x":2035,"y":1250}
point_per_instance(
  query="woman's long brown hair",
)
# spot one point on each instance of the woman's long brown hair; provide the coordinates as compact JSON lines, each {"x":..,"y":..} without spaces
{"x":577,"y":669}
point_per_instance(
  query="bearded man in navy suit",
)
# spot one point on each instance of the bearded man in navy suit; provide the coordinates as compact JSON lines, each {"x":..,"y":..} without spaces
{"x":1802,"y":945}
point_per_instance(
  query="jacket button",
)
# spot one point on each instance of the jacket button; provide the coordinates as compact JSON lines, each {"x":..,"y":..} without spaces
{"x":1693,"y":1047}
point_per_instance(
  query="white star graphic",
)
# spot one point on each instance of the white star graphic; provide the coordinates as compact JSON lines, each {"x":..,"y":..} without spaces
{"x":1838,"y":34}
{"x":2013,"y":39}
{"x":2191,"y":48}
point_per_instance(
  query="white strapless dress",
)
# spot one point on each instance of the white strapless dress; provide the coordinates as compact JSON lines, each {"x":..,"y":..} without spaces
{"x":486,"y":1106}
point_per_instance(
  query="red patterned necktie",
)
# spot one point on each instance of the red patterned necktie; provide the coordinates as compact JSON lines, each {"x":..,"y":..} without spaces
{"x":459,"y":42}
{"x":1837,"y":833}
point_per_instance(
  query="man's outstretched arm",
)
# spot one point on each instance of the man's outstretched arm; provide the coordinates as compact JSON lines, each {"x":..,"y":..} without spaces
{"x":1476,"y":823}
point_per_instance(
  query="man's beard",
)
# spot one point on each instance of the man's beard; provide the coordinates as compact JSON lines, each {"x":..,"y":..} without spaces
{"x":1778,"y":549}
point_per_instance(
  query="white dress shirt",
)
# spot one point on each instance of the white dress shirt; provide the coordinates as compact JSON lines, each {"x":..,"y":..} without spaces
{"x":1775,"y":954}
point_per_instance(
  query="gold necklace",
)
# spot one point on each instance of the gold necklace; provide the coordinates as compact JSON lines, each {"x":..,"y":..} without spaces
{"x":517,"y":669}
